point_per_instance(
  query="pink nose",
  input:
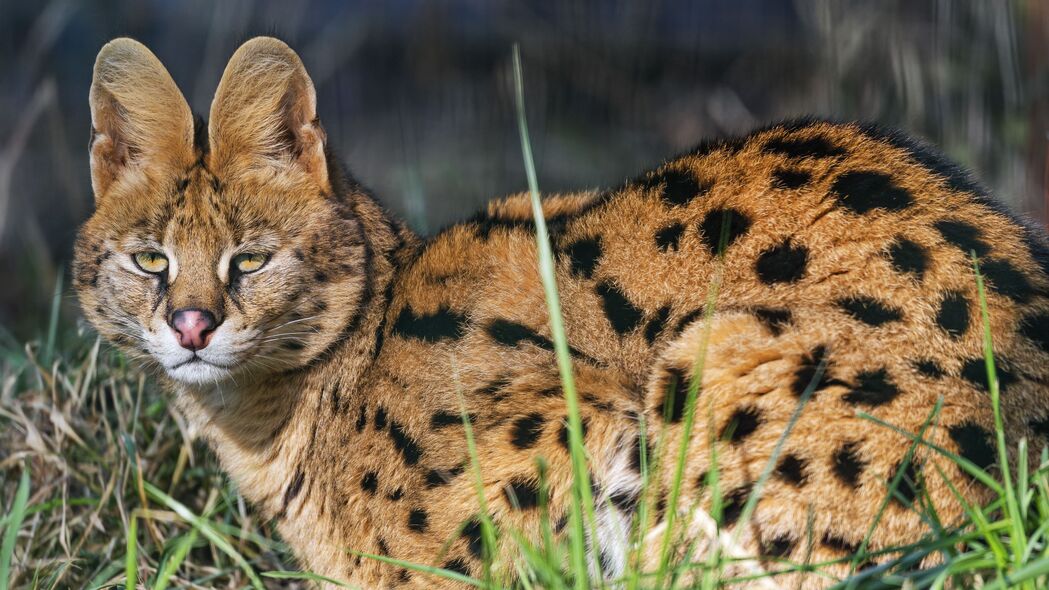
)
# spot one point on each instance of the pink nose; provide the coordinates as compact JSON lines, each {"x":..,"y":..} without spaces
{"x":193,"y":327}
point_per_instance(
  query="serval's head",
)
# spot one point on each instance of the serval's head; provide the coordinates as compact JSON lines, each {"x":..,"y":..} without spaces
{"x":222,"y":249}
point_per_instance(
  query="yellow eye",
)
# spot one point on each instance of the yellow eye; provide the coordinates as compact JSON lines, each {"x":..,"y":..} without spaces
{"x":249,"y":262}
{"x":151,"y":262}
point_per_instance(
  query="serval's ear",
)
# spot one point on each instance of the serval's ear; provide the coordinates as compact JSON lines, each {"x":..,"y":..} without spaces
{"x":264,"y":115}
{"x":140,"y":122}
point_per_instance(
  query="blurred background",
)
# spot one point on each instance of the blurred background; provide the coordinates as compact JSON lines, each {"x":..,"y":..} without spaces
{"x":416,"y":96}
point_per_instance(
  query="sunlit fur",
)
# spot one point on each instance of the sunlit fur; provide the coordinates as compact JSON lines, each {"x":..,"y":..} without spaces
{"x":333,"y":388}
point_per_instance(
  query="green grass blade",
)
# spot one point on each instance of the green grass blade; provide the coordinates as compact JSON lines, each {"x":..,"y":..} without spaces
{"x":770,"y":465}
{"x":309,"y":576}
{"x":52,"y":325}
{"x":15,"y":515}
{"x":426,"y":569}
{"x":689,"y":420}
{"x":1018,"y":537}
{"x":101,"y":578}
{"x":131,"y":557}
{"x":207,"y":529}
{"x":581,"y":494}
{"x":488,"y":540}
{"x":169,"y":565}
{"x":894,"y":484}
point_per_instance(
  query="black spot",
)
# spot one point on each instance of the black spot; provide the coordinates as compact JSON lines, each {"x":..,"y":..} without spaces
{"x":510,"y":333}
{"x":522,"y":494}
{"x":929,"y":368}
{"x":733,"y":504}
{"x":1004,"y":279}
{"x":526,"y":430}
{"x":562,"y":435}
{"x":909,"y":257}
{"x":791,"y":469}
{"x":584,"y":255}
{"x":625,"y":501}
{"x":813,"y":147}
{"x":835,"y":542}
{"x":848,"y":465}
{"x":655,"y":325}
{"x":495,"y":389}
{"x":458,"y":565}
{"x":675,"y":394}
{"x":861,"y":192}
{"x":362,"y":419}
{"x":472,"y":534}
{"x":774,"y":319}
{"x":953,"y":316}
{"x":396,"y":494}
{"x":963,"y":235}
{"x":418,"y":520}
{"x":1040,"y":426}
{"x":622,"y":314}
{"x":1036,"y":328}
{"x":873,"y":388}
{"x":405,"y":444}
{"x":972,"y":440}
{"x":790,"y":179}
{"x":661,"y":506}
{"x":440,"y":477}
{"x":561,"y":523}
{"x":635,"y":454}
{"x":443,"y":419}
{"x":384,"y":549}
{"x":380,"y":418}
{"x":869,"y":310}
{"x":688,"y":319}
{"x":806,"y":372}
{"x":721,"y":228}
{"x":551,"y":392}
{"x":404,"y":576}
{"x":975,"y":371}
{"x":320,"y":277}
{"x":293,"y":489}
{"x":907,"y":488}
{"x":702,"y":480}
{"x":784,"y":263}
{"x":370,"y":482}
{"x":779,"y":547}
{"x":679,"y":188}
{"x":667,"y":238}
{"x":607,"y":564}
{"x":443,"y":324}
{"x":743,"y":423}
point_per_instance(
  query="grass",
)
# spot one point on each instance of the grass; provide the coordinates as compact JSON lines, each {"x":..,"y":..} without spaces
{"x":102,"y":487}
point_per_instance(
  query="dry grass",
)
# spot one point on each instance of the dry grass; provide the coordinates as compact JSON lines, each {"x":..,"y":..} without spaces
{"x":93,"y":430}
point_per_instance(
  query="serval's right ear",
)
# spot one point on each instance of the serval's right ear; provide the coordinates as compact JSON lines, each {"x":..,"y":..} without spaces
{"x":140,"y":122}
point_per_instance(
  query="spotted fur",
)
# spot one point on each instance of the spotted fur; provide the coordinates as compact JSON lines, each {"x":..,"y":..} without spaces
{"x":838,"y":258}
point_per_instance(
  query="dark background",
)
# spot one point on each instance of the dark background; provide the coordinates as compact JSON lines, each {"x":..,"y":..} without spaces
{"x":416,"y":96}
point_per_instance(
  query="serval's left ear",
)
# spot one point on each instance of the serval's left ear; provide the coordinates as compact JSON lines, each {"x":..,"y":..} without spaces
{"x":264,"y":115}
{"x":140,"y":122}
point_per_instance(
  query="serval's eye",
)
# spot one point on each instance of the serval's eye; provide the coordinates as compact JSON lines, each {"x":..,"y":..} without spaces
{"x":151,"y":262}
{"x":249,"y":262}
